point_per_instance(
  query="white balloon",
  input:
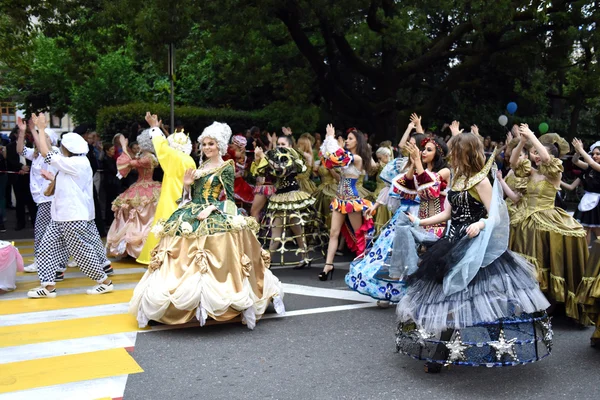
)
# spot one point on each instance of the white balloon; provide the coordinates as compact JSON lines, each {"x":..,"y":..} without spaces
{"x":503,"y":120}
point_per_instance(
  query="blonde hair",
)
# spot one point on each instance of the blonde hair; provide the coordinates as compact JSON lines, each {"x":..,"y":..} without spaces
{"x":303,"y":144}
{"x":466,"y":155}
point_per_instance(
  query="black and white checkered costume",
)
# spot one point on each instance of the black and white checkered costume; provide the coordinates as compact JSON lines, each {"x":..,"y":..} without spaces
{"x":79,"y":239}
{"x":74,"y":238}
{"x":42,"y":221}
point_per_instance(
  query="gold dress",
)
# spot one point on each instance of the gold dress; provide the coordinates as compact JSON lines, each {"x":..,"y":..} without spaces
{"x":364,"y":193}
{"x":211,"y":268}
{"x":383,"y":213}
{"x":551,"y":240}
{"x":325,"y":193}
{"x":588,"y":294}
{"x":304,"y":181}
{"x":517,"y":180}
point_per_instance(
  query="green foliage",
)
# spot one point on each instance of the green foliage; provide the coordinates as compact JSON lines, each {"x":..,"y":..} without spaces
{"x":113,"y":81}
{"x":114,"y":119}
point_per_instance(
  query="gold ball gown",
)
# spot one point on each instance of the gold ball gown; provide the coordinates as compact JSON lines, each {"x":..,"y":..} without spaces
{"x":550,"y":239}
{"x":211,"y":268}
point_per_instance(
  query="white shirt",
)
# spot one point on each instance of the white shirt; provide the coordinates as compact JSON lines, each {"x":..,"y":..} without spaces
{"x":37,"y":183}
{"x":73,"y":193}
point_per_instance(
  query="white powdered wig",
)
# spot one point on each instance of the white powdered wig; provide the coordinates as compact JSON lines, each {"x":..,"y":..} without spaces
{"x":145,"y":141}
{"x":218,"y":131}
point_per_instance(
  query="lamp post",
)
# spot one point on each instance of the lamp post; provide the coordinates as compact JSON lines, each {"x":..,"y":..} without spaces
{"x":172,"y":82}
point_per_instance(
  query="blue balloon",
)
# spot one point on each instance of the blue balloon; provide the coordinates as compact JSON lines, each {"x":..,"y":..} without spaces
{"x":511,"y":107}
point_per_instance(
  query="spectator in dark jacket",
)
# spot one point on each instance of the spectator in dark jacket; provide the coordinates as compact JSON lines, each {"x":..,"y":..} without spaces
{"x":20,"y":181}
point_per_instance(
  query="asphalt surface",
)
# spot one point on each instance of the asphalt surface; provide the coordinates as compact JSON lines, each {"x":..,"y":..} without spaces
{"x":348,"y":354}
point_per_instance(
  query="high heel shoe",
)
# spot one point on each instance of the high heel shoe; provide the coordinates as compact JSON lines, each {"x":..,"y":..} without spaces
{"x":323,"y":276}
{"x":306,"y":263}
{"x":433,"y":368}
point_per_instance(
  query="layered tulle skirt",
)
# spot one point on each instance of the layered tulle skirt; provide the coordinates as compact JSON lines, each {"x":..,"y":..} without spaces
{"x":499,"y":319}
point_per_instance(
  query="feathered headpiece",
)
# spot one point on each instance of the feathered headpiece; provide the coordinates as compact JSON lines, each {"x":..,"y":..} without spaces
{"x":219,"y":132}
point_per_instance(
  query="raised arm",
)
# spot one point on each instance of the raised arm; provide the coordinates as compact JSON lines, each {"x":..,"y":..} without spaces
{"x":40,"y":136}
{"x":586,"y":157}
{"x":514,"y":197}
{"x":406,"y":135}
{"x":538,"y":146}
{"x":572,"y":186}
{"x":21,"y":137}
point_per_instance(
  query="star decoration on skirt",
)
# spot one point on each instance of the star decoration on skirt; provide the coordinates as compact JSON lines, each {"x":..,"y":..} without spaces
{"x":548,"y":333}
{"x":422,"y":336}
{"x":456,"y":349}
{"x":503,"y":346}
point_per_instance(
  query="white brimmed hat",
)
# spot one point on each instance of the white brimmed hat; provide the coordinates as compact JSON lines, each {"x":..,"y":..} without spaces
{"x":74,"y":143}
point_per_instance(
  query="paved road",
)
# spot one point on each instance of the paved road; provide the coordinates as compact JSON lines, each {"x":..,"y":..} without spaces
{"x":332,"y":344}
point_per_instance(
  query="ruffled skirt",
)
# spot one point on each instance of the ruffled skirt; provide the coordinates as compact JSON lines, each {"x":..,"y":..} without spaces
{"x":219,"y":276}
{"x":134,"y":213}
{"x":242,"y":190}
{"x":498,"y":320}
{"x":294,"y":216}
{"x":370,"y":275}
{"x":556,"y":245}
{"x":588,"y":293}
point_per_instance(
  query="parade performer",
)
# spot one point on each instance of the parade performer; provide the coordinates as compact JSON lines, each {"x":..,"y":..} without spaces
{"x":547,"y":236}
{"x":370,"y":275}
{"x":588,"y":293}
{"x":325,"y":192}
{"x":304,"y":146}
{"x":174,"y":157}
{"x":469,"y":301}
{"x":242,"y":190}
{"x":134,"y":208}
{"x":38,"y":185}
{"x":588,"y":210}
{"x":426,"y":178}
{"x":289,"y":208}
{"x":72,"y":228}
{"x":384,"y":156}
{"x":208,"y":262}
{"x":10,"y":262}
{"x":347,"y":207}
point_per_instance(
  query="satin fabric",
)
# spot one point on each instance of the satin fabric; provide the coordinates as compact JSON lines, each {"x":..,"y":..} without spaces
{"x":174,"y":163}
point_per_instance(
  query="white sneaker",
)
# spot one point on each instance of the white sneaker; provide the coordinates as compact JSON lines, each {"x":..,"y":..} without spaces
{"x":72,"y":264}
{"x":101,"y":288}
{"x":40,"y":293}
{"x":31,"y":267}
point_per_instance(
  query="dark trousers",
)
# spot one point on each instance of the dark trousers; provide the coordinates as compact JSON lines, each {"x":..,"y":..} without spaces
{"x":99,"y":220}
{"x":23,"y":195}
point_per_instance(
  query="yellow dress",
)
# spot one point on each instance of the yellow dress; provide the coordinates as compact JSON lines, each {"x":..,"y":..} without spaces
{"x":304,"y":181}
{"x":174,"y":164}
{"x":325,"y":193}
{"x":364,"y":193}
{"x":588,"y":294}
{"x":551,"y":240}
{"x":383,"y":213}
{"x":517,"y":180}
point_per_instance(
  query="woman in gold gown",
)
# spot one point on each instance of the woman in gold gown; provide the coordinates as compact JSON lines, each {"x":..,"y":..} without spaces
{"x":547,"y":236}
{"x":208,"y":262}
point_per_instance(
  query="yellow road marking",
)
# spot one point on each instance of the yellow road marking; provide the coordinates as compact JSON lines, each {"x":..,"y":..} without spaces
{"x":19,"y":306}
{"x":50,"y":371}
{"x":20,"y":335}
{"x":79,"y":282}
